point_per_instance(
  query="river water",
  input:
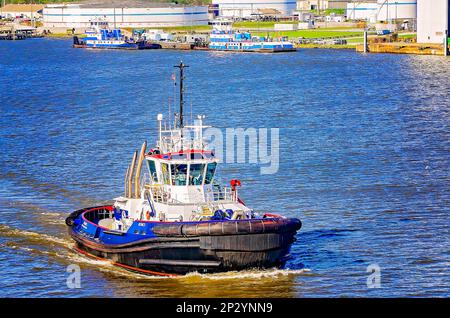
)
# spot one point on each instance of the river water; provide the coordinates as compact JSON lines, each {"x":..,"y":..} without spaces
{"x":364,"y":161}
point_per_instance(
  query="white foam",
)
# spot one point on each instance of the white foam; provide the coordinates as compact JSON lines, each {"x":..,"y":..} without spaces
{"x":249,"y":274}
{"x":9,"y":231}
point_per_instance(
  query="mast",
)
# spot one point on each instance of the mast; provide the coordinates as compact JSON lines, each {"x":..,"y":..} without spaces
{"x":182,"y":66}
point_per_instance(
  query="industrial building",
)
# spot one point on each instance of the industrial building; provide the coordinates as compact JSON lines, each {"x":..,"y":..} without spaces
{"x":382,"y":10}
{"x":253,"y":8}
{"x":433,"y":20}
{"x":362,"y":10}
{"x":395,"y":10}
{"x":118,"y":15}
{"x":26,"y":11}
{"x":317,"y":5}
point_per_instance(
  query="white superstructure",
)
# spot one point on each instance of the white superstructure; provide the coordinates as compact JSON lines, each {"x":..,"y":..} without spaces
{"x":396,"y":10}
{"x":432,"y":20}
{"x":247,"y":8}
{"x":179,"y":183}
{"x":79,"y":16}
{"x":382,"y":10}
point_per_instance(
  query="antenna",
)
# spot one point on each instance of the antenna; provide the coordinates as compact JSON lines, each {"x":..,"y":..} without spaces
{"x":182,"y":66}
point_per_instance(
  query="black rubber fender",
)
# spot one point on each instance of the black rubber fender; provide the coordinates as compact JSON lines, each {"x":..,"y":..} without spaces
{"x":70,"y":220}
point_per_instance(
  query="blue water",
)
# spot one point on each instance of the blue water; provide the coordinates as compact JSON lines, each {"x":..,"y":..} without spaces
{"x":364,"y":161}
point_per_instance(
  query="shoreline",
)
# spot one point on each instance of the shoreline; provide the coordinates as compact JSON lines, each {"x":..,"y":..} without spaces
{"x":298,"y":46}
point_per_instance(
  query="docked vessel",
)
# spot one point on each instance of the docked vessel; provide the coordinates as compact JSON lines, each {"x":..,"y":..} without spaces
{"x":176,"y":218}
{"x":223,"y":38}
{"x":99,"y":36}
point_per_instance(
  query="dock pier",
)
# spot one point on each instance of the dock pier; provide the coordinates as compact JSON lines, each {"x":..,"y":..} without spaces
{"x":402,"y":48}
{"x":10,"y":32}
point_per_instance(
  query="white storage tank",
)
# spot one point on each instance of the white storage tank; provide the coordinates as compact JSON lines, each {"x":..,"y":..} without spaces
{"x":155,"y":15}
{"x":250,"y":8}
{"x":396,"y":10}
{"x":362,"y":11}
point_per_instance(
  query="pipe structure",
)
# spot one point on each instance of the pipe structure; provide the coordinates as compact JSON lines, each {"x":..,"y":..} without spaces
{"x":137,"y":178}
{"x":126,"y":181}
{"x":130,"y":176}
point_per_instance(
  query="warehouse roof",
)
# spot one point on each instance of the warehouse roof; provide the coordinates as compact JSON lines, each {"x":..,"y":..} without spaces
{"x":22,"y":7}
{"x":268,"y":11}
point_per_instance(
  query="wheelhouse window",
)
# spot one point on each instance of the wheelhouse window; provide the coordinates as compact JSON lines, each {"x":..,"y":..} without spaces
{"x":196,"y":155}
{"x":179,"y":174}
{"x":165,"y":173}
{"x":210,"y":170}
{"x":179,"y":156}
{"x":152,"y":169}
{"x":196,"y":174}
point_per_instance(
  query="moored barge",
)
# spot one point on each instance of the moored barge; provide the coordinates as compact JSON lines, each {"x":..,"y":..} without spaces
{"x":223,"y":38}
{"x":99,"y":36}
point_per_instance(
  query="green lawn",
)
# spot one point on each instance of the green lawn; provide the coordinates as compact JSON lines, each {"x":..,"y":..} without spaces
{"x":195,"y":28}
{"x":361,"y":39}
{"x":356,"y":40}
{"x":311,"y":34}
{"x":326,"y":46}
{"x":315,"y":33}
{"x":407,"y":36}
{"x":259,"y":25}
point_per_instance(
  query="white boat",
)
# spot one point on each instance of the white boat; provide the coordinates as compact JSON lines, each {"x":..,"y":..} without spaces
{"x":99,"y":36}
{"x":223,"y":38}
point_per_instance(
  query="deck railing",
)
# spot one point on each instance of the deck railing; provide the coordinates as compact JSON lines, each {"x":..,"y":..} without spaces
{"x":160,"y":195}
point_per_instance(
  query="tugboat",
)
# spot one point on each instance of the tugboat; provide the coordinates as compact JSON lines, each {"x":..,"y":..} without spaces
{"x":176,"y":218}
{"x":99,"y":36}
{"x":222,"y":38}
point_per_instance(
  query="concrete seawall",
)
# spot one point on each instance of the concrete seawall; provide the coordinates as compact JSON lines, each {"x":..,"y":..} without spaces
{"x":403,"y":48}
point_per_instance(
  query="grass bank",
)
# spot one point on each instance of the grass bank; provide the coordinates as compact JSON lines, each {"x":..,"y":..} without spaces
{"x":195,"y":28}
{"x":326,"y":46}
{"x":259,"y":25}
{"x":313,"y":34}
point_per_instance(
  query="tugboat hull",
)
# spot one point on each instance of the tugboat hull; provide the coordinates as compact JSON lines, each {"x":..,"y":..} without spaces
{"x":206,"y":247}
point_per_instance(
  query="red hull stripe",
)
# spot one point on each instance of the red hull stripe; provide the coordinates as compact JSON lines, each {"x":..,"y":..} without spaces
{"x":125,"y":266}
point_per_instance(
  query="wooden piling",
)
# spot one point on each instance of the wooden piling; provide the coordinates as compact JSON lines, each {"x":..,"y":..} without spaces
{"x":366,"y":44}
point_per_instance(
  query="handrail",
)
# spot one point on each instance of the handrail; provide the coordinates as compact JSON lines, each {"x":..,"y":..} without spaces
{"x":160,"y":195}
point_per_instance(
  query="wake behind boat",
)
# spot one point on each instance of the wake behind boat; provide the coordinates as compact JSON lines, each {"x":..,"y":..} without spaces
{"x":176,"y":218}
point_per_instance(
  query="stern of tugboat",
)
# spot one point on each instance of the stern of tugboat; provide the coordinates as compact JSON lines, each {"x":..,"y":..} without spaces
{"x":167,"y":248}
